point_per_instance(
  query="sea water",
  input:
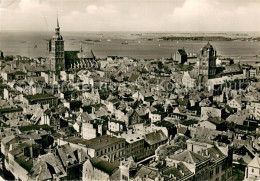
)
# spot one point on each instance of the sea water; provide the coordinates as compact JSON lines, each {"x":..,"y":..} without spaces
{"x":34,"y":44}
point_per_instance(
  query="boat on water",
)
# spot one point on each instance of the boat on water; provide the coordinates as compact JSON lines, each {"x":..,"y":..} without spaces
{"x":125,"y":43}
{"x":97,"y":40}
{"x":108,"y":40}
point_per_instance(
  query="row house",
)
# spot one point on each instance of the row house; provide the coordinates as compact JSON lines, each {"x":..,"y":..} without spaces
{"x":109,"y":147}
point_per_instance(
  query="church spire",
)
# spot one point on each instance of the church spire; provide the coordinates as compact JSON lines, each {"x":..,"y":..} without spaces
{"x":57,"y":29}
{"x":58,"y":22}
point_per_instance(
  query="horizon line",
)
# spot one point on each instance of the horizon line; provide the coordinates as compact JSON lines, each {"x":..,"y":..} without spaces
{"x":145,"y":31}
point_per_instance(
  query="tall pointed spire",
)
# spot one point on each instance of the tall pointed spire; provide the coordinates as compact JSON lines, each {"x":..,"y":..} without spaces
{"x":57,"y":29}
{"x":58,"y":22}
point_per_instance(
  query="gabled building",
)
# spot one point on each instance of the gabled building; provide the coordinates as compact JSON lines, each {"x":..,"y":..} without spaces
{"x":214,"y":124}
{"x":252,"y":171}
{"x":236,"y":104}
{"x":189,"y":80}
{"x":152,"y":141}
{"x":135,"y":118}
{"x":181,"y":56}
{"x":148,"y":174}
{"x":209,"y":112}
{"x":196,"y":163}
{"x":206,"y":161}
{"x":97,"y":169}
{"x":47,"y":167}
{"x":72,"y":160}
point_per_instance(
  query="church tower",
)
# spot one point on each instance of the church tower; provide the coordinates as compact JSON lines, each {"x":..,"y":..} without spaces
{"x":56,"y":50}
{"x":207,"y":61}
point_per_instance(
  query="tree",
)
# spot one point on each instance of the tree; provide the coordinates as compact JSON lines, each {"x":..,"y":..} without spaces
{"x":160,"y":65}
{"x":169,"y":109}
{"x":9,"y":58}
{"x":159,"y":108}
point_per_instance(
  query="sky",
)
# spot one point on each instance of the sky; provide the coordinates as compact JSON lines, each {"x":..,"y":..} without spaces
{"x":131,"y":15}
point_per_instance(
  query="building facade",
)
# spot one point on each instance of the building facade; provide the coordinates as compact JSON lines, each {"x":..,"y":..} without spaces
{"x":109,"y":147}
{"x":217,"y":161}
{"x":252,"y":171}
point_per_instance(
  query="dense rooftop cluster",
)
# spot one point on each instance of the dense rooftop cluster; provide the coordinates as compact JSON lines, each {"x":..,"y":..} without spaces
{"x":180,"y":118}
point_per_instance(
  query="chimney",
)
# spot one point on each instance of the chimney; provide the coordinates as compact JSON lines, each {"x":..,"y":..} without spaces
{"x":93,"y":110}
